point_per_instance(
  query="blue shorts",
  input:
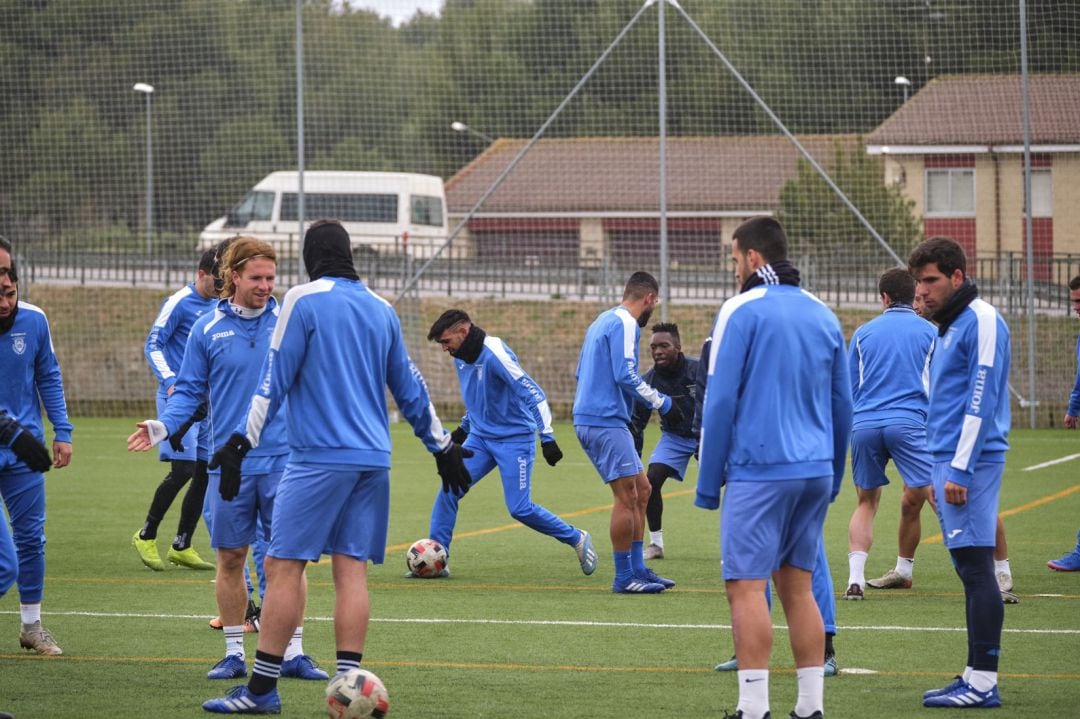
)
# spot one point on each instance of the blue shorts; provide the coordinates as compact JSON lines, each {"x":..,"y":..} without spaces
{"x":764,"y":525}
{"x":191,"y":440}
{"x":325,"y":510}
{"x":904,"y":444}
{"x":675,"y":452}
{"x":973,"y":524}
{"x":235,"y":523}
{"x":611,"y":450}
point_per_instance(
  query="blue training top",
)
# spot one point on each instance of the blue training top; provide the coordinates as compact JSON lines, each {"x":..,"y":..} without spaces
{"x":336,"y":348}
{"x":168,"y":337}
{"x":1074,"y":398}
{"x":778,"y":399}
{"x":30,"y":375}
{"x":889,"y":362}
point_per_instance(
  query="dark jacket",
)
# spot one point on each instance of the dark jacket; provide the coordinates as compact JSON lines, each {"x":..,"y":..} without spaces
{"x":680,"y":383}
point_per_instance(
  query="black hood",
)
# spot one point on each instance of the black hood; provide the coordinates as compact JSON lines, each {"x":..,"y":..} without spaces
{"x":328,"y":253}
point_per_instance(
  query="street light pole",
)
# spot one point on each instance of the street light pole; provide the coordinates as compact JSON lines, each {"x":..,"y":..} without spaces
{"x":457,"y":126}
{"x":905,"y":83}
{"x":148,"y":90}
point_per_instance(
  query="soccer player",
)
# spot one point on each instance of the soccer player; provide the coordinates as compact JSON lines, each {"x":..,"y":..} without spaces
{"x":889,"y":361}
{"x":967,"y":434}
{"x":608,"y":384}
{"x":1070,"y":561}
{"x":775,"y":425}
{"x":221,"y":365}
{"x":675,"y":375}
{"x":29,"y":378}
{"x":336,"y":348}
{"x":164,"y":352}
{"x":503,"y":408}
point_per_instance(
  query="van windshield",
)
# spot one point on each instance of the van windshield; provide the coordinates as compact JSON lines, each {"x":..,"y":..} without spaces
{"x":255,"y":207}
{"x":427,"y":210}
{"x":343,"y":207}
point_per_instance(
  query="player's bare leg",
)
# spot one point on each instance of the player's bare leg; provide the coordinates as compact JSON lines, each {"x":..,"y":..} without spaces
{"x":283,"y":605}
{"x":352,"y":608}
{"x":860,"y":539}
{"x":807,"y":634}
{"x":751,"y":628}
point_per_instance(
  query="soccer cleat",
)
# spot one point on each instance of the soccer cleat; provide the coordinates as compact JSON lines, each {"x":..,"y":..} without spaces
{"x":147,"y":549}
{"x":831,"y":669}
{"x":654,"y":551}
{"x":651,"y":576}
{"x":444,"y":574}
{"x":231,"y":667}
{"x":854,"y":593}
{"x":892,"y":579}
{"x":216,"y":623}
{"x":957,"y":681}
{"x":5,"y":715}
{"x":1005,"y":582}
{"x":36,"y":638}
{"x":303,"y":667}
{"x":187,"y":558}
{"x":586,"y":554}
{"x":1069,"y":563}
{"x":241,"y":701}
{"x":731,"y":665}
{"x":1009,"y":598}
{"x":815,"y":715}
{"x":965,"y":696}
{"x":739,"y":715}
{"x":636,"y":586}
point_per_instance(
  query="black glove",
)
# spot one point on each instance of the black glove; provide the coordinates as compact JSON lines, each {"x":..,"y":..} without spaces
{"x":455,"y":478}
{"x":458,"y":436}
{"x":176,"y":439}
{"x":674,"y":415}
{"x":25,"y":445}
{"x":551,"y":451}
{"x":229,"y":458}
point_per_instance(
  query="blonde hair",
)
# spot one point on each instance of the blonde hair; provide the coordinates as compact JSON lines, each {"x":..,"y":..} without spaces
{"x":241,"y":250}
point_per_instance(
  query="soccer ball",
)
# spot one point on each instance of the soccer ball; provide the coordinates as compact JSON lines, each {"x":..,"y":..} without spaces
{"x":356,"y":694}
{"x":426,"y":558}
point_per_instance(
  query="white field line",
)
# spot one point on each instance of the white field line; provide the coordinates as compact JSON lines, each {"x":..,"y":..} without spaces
{"x":1052,"y":462}
{"x":554,"y":623}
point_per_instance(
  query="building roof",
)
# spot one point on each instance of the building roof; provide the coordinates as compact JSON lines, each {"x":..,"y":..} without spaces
{"x":985,"y":110}
{"x":620,"y":174}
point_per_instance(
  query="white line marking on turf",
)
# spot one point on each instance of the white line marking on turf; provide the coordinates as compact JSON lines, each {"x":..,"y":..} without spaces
{"x":1052,"y":462}
{"x":551,"y":623}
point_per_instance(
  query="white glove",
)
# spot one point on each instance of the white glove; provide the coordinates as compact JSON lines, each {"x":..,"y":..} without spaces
{"x":157,"y":432}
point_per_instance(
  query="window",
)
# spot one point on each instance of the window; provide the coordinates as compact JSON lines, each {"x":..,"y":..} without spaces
{"x":346,"y":208}
{"x":950,"y":193}
{"x":255,"y":207}
{"x":427,"y":210}
{"x":1042,"y":204}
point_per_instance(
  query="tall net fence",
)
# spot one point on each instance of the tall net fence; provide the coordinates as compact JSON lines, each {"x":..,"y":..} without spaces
{"x":134,"y":134}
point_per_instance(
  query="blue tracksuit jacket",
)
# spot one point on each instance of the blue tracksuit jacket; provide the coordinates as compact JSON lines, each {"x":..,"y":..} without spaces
{"x":336,"y":348}
{"x":30,"y":376}
{"x":168,"y":337}
{"x":778,"y":402}
{"x":889,"y":363}
{"x":1074,"y":398}
{"x":969,"y":392}
{"x":501,"y":400}
{"x":608,"y":383}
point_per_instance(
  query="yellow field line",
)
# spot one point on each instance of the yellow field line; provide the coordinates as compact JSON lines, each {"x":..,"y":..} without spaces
{"x":1022,"y":508}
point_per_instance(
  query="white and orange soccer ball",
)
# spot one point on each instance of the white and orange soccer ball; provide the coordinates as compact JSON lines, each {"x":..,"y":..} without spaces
{"x":356,"y":694}
{"x":426,"y":558}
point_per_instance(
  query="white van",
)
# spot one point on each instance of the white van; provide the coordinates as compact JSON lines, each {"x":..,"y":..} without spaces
{"x":383,"y":211}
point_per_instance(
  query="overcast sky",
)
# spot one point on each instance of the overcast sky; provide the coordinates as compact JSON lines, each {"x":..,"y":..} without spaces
{"x":399,"y":10}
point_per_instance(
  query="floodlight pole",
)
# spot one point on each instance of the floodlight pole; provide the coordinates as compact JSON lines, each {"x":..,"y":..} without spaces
{"x":148,"y":90}
{"x":665,"y":287}
{"x":300,"y":140}
{"x":1029,"y":250}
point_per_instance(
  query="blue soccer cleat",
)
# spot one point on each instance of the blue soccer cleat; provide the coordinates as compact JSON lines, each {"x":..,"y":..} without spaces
{"x":965,"y":696}
{"x":958,"y":681}
{"x":241,"y":701}
{"x":231,"y":667}
{"x":586,"y":554}
{"x":731,"y":665}
{"x":651,"y":576}
{"x":1069,"y":563}
{"x":303,"y":667}
{"x":636,"y":586}
{"x":831,"y":669}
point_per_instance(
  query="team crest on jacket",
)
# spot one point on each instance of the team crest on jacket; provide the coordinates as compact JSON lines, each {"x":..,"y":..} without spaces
{"x":18,"y":343}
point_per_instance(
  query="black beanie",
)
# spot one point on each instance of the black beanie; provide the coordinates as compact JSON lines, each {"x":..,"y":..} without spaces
{"x":328,"y":252}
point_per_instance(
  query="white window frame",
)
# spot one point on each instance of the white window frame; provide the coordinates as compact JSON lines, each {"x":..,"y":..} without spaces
{"x":950,"y":172}
{"x":1042,"y":206}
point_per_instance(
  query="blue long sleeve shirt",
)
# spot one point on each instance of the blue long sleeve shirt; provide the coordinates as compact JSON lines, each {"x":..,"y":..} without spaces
{"x":969,"y":392}
{"x":1074,"y":398}
{"x":30,"y":375}
{"x":889,"y":363}
{"x":778,"y":398}
{"x":608,"y":383}
{"x":221,"y":364}
{"x":501,"y":400}
{"x":336,"y":348}
{"x":168,"y":337}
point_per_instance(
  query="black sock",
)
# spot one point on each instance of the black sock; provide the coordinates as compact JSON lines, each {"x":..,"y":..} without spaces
{"x":265,"y":673}
{"x":191,"y":509}
{"x":348,"y":660}
{"x":829,"y":651}
{"x":985,"y":613}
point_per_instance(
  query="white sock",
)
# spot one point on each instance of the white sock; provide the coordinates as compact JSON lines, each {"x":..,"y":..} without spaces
{"x":1002,"y":565}
{"x":966,"y":676}
{"x":811,"y":699}
{"x":657,"y":538}
{"x":30,"y":613}
{"x":234,"y":641}
{"x":856,"y":568}
{"x":296,"y":644}
{"x":905,"y":567}
{"x":754,"y":693}
{"x":983,"y":681}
